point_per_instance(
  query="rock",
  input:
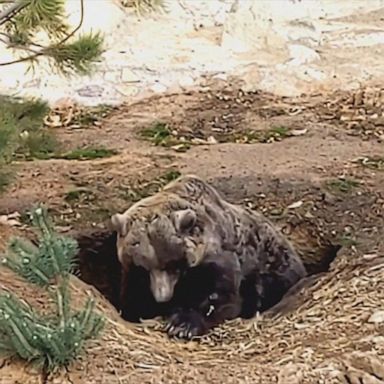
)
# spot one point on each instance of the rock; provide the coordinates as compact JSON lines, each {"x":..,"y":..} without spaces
{"x":128,"y":76}
{"x":167,"y":49}
{"x":211,"y":140}
{"x":377,"y":317}
{"x":9,"y":221}
{"x":197,"y":140}
{"x":91,"y":91}
{"x":300,"y":54}
{"x":299,"y":132}
{"x":221,"y":76}
{"x":128,"y":90}
{"x":275,"y":82}
{"x":304,"y":31}
{"x":291,"y":373}
{"x":158,"y":88}
{"x":64,"y":103}
{"x":251,"y":27}
{"x":112,"y":76}
{"x":186,"y":81}
{"x":296,"y":204}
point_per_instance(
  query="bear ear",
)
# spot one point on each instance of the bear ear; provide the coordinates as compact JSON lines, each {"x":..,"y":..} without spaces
{"x":184,"y":219}
{"x":120,"y":223}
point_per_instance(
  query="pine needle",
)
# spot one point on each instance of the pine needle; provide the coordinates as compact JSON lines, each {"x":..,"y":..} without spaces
{"x":54,"y":339}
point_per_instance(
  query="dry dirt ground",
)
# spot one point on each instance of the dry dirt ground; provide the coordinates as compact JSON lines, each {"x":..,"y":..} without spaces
{"x":314,"y":165}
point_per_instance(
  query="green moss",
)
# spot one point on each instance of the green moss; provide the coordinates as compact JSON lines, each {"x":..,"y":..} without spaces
{"x":22,"y":133}
{"x":21,"y":128}
{"x":263,"y":136}
{"x":92,"y":115}
{"x":38,"y":145}
{"x":343,"y":185}
{"x":171,"y":175}
{"x":88,"y":153}
{"x":136,"y":193}
{"x":159,"y":133}
{"x":78,"y":194}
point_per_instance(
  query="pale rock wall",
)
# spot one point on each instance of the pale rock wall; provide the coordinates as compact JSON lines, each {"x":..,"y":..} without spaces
{"x":282,"y":46}
{"x":292,"y":43}
{"x":270,"y":25}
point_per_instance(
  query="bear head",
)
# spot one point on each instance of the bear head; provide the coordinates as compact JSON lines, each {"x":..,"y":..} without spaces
{"x":163,"y":244}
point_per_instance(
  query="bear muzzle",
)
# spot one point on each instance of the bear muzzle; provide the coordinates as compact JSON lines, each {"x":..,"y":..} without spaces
{"x":162,"y":285}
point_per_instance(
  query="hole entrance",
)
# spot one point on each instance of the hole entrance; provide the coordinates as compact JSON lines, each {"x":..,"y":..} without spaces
{"x":98,"y":266}
{"x":97,"y":263}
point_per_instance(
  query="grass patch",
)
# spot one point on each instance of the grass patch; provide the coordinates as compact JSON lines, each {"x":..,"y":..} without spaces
{"x":81,"y":215}
{"x":276,"y":133}
{"x":78,"y":195}
{"x":87,"y":153}
{"x":5,"y":179}
{"x":92,"y":115}
{"x":144,"y":6}
{"x":171,"y":175}
{"x":159,"y":134}
{"x":343,"y":185}
{"x":22,"y":135}
{"x":41,"y":145}
{"x":134,"y":193}
{"x":21,"y":128}
{"x":267,"y":136}
{"x":347,"y":240}
{"x":96,"y":215}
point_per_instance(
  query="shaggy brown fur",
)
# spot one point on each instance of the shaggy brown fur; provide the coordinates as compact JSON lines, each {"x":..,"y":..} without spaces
{"x":191,"y":240}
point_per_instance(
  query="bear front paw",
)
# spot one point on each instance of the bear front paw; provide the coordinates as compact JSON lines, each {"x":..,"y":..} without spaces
{"x":186,"y":324}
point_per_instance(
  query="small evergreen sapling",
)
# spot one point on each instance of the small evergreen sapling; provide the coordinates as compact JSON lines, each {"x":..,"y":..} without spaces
{"x":55,"y":340}
{"x":23,"y":21}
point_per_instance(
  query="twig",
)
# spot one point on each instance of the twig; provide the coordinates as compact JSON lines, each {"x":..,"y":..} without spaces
{"x":7,"y":42}
{"x":45,"y":50}
{"x":12,"y":10}
{"x":4,"y":41}
{"x":77,"y":28}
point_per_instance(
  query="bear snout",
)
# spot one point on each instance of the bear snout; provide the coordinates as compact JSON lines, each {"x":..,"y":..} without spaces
{"x":162,"y":285}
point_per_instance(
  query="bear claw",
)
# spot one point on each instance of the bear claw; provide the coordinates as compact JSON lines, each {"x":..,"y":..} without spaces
{"x":185,"y":325}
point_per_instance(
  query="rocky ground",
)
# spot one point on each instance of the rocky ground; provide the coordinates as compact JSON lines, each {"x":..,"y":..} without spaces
{"x":311,"y":159}
{"x":313,"y":164}
{"x":287,"y":47}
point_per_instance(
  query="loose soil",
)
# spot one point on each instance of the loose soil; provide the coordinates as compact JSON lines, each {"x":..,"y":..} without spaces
{"x":312,"y":164}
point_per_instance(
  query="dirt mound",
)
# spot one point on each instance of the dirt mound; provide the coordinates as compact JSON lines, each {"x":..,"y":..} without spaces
{"x":336,"y":316}
{"x":308,"y":183}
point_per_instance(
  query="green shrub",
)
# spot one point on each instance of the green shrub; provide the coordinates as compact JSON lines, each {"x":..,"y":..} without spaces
{"x":56,"y":339}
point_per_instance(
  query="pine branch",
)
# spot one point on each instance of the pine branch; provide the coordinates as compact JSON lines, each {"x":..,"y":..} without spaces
{"x":68,"y":58}
{"x":44,"y":51}
{"x":78,"y":56}
{"x":12,"y":10}
{"x":47,"y":15}
{"x":53,"y":258}
{"x":49,"y":341}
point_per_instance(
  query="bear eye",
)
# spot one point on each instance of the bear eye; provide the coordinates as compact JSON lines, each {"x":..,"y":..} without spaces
{"x":196,"y":231}
{"x":135,"y":244}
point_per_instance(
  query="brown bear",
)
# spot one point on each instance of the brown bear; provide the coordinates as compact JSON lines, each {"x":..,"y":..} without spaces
{"x":207,"y":259}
